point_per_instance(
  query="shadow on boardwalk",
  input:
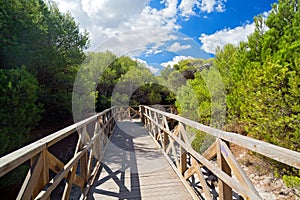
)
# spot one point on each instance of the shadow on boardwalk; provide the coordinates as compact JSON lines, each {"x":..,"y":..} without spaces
{"x":133,"y":168}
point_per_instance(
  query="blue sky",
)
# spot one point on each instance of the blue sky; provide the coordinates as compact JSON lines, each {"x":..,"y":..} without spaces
{"x":162,"y":32}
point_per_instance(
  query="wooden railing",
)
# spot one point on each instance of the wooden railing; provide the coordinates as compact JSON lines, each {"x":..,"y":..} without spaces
{"x":169,"y":131}
{"x":93,"y":135}
{"x":191,"y":166}
{"x":128,"y":113}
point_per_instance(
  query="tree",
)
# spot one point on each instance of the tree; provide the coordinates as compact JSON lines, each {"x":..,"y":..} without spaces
{"x":19,"y":110}
{"x":48,"y":43}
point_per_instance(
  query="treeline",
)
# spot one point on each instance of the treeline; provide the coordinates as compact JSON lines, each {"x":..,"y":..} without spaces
{"x":41,"y":51}
{"x":106,"y":80}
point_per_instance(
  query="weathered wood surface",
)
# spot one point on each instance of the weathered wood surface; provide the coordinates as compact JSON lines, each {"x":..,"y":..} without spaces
{"x":286,"y":156}
{"x":134,"y":168}
{"x":194,"y":168}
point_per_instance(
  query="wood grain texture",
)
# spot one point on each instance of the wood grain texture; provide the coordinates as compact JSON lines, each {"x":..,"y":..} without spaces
{"x":133,"y":168}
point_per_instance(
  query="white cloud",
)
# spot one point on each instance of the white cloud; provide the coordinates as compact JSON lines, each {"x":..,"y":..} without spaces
{"x":208,"y":5}
{"x":151,"y":68}
{"x":221,"y":5}
{"x":176,"y":46}
{"x":108,"y":13}
{"x":136,"y":41}
{"x":176,"y":60}
{"x":107,"y":18}
{"x":225,"y":36}
{"x":171,"y":8}
{"x":188,"y":7}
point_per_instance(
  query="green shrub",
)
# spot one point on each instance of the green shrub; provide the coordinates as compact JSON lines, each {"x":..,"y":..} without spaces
{"x":19,"y":111}
{"x":202,"y":141}
{"x":292,"y":181}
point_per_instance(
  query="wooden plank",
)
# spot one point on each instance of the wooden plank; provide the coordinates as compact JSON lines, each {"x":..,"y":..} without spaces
{"x":31,"y":178}
{"x":69,"y":183}
{"x":211,"y":152}
{"x":184,"y":135}
{"x":183,"y":153}
{"x":277,"y":153}
{"x":130,"y":174}
{"x":71,"y":175}
{"x":217,"y":171}
{"x":189,"y":172}
{"x":202,"y":180}
{"x":236,"y":168}
{"x":56,"y":166}
{"x":83,"y":167}
{"x":16,"y":158}
{"x":225,"y":191}
{"x":44,"y":175}
{"x":44,"y":194}
{"x":24,"y":186}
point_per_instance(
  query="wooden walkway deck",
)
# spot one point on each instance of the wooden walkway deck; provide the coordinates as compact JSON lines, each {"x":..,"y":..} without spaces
{"x":134,"y":168}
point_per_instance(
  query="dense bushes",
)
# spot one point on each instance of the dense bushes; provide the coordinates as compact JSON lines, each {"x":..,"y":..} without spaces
{"x":19,"y":110}
{"x":261,"y":78}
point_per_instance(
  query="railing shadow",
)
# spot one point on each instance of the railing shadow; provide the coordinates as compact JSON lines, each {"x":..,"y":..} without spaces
{"x":118,"y":171}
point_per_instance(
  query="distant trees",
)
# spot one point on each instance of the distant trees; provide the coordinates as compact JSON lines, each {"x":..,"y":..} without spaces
{"x":116,"y":80}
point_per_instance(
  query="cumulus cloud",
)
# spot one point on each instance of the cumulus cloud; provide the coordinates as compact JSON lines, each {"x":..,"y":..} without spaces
{"x":176,"y":46}
{"x":107,"y":18}
{"x":137,"y":41}
{"x":188,"y":7}
{"x":175,"y":60}
{"x":151,"y":68}
{"x":108,"y":13}
{"x":225,"y":36}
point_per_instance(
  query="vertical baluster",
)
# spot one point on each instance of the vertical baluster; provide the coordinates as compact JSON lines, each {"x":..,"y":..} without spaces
{"x":183,"y":158}
{"x":225,"y":192}
{"x":44,"y":176}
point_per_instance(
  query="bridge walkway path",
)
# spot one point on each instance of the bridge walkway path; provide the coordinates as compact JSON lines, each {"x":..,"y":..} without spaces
{"x":134,"y":168}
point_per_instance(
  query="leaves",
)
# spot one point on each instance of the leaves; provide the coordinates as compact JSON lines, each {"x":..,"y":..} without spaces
{"x":19,"y":110}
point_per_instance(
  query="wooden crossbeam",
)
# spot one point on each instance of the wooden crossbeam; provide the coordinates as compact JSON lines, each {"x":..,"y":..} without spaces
{"x":236,"y":168}
{"x":31,"y":178}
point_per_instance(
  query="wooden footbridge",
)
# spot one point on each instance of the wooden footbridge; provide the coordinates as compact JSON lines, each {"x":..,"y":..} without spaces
{"x":122,"y":153}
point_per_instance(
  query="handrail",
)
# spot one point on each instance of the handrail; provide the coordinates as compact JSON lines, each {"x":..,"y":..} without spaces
{"x":9,"y":161}
{"x":187,"y":162}
{"x":93,"y":132}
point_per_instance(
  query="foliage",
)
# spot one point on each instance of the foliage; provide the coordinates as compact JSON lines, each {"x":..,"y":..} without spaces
{"x":116,"y":80}
{"x":49,"y":43}
{"x":202,"y":141}
{"x":261,"y":79}
{"x":292,"y":181}
{"x":19,"y":108}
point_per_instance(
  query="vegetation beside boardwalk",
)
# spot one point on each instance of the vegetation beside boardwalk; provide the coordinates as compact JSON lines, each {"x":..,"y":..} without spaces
{"x":42,"y":50}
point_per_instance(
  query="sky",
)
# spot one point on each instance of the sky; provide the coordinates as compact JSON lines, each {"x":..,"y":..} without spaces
{"x":159,"y":33}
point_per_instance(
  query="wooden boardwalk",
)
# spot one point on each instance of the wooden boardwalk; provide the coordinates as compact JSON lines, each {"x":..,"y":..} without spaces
{"x":134,"y":168}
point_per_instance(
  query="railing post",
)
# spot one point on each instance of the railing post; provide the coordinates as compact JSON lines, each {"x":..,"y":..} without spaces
{"x":225,"y":192}
{"x":142,"y":110}
{"x":183,"y":163}
{"x":44,"y":176}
